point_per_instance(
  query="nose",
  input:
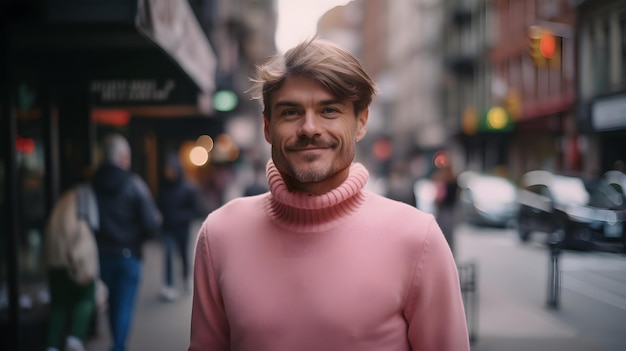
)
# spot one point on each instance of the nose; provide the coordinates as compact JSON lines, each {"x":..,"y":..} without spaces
{"x":310,"y":126}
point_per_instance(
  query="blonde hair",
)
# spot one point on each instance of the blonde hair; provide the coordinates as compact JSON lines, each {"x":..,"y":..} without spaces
{"x":325,"y":62}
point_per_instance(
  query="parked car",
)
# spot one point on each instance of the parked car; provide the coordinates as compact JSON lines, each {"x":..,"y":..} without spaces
{"x":607,"y":195}
{"x":616,"y":180}
{"x":487,"y":200}
{"x":573,"y":213}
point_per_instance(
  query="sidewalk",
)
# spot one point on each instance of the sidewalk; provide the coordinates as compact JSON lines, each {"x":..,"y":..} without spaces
{"x":504,"y":324}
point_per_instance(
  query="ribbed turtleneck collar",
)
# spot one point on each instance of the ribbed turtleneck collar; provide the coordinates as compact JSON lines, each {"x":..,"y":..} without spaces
{"x":303,"y":212}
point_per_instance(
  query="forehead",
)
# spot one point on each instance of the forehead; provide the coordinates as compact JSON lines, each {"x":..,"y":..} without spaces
{"x":301,"y":90}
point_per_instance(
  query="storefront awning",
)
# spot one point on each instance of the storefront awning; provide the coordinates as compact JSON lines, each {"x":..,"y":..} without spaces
{"x":165,"y":25}
{"x":173,"y":26}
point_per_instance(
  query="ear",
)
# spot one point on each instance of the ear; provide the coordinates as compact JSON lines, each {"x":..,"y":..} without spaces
{"x":361,"y":123}
{"x":266,"y":129}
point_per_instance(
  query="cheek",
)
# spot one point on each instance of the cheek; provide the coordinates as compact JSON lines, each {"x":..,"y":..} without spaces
{"x":349,"y":135}
{"x":276,"y":136}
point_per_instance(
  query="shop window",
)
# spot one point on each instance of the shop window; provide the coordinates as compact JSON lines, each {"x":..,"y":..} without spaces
{"x":32,"y":211}
{"x":601,"y":58}
{"x":4,"y":290}
{"x":622,"y":29}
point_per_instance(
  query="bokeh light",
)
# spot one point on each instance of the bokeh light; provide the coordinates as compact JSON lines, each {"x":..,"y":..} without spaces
{"x":206,"y":142}
{"x":198,"y":155}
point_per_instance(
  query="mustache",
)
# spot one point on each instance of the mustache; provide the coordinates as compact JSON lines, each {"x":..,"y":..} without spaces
{"x":304,"y":141}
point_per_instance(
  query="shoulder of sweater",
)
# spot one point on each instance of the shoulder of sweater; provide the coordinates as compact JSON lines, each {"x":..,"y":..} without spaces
{"x":238,"y":212}
{"x":407,"y":221}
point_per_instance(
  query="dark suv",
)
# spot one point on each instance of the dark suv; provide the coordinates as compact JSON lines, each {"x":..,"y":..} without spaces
{"x":579,"y":215}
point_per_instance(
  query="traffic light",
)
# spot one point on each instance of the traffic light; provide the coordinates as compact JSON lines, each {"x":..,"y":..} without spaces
{"x":544,"y":47}
{"x":225,"y":100}
{"x":498,"y":120}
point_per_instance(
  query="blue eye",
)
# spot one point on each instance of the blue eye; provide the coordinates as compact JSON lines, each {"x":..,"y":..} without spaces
{"x":289,"y":113}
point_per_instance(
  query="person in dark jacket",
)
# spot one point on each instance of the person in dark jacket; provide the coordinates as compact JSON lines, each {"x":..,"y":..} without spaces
{"x":447,"y":189}
{"x":180,"y":203}
{"x":128,"y":217}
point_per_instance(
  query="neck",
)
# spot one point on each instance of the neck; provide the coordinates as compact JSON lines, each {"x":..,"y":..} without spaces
{"x":304,"y":211}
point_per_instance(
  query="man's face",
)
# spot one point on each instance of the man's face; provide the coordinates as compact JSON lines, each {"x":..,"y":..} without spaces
{"x":313,"y":135}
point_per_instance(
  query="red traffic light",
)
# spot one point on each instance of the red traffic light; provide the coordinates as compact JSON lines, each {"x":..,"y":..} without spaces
{"x":547,"y":45}
{"x":544,"y":46}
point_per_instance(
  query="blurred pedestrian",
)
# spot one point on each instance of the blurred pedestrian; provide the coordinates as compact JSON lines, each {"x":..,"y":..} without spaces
{"x":320,"y":263}
{"x":445,"y":200}
{"x":180,"y":203}
{"x":400,"y":185}
{"x":259,"y":184}
{"x":71,"y":256}
{"x":128,"y":217}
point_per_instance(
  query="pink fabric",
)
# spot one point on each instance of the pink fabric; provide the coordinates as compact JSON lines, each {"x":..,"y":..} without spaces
{"x":347,"y":270}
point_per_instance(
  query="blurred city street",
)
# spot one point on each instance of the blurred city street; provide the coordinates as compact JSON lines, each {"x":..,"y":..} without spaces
{"x":512,"y":293}
{"x":511,"y":111}
{"x":512,"y":286}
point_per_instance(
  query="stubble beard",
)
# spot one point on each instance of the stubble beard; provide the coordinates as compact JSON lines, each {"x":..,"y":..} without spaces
{"x":309,"y":175}
{"x":310,"y":172}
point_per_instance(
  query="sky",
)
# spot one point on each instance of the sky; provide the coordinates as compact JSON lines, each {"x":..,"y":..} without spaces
{"x":297,"y":20}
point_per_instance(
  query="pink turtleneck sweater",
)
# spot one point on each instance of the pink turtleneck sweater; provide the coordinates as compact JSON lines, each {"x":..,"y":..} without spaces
{"x":346,"y":270}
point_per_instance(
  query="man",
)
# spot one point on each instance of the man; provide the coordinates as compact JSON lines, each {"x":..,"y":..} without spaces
{"x":128,"y":216}
{"x":319,"y":263}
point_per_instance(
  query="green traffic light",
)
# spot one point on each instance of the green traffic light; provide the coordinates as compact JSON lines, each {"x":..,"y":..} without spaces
{"x":224,"y":100}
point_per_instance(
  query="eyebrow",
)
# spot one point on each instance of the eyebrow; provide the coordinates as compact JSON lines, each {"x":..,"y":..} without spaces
{"x":295,"y":104}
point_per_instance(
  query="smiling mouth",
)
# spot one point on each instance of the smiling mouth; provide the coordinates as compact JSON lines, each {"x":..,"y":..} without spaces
{"x":309,"y":151}
{"x":305,"y":145}
{"x":310,"y":148}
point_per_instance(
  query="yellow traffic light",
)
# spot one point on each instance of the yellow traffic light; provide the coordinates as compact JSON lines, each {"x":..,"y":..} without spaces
{"x":497,"y":118}
{"x":534,"y":35}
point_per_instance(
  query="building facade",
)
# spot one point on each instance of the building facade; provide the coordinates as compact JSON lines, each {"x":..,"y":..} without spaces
{"x":601,"y":84}
{"x":468,"y":92}
{"x":534,"y":59}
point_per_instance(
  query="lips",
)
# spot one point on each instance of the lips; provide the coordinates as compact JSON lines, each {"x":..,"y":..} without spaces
{"x":309,"y":148}
{"x":309,"y":144}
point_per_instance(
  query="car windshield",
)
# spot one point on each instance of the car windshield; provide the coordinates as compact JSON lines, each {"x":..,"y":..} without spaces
{"x":607,"y":195}
{"x":569,"y":190}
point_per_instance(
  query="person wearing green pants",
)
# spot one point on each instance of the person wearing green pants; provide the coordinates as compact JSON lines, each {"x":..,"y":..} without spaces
{"x":71,"y":305}
{"x":72,"y":260}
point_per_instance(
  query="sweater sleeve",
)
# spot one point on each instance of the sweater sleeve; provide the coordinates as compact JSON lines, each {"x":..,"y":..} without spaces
{"x":209,"y":325}
{"x":434,"y":308}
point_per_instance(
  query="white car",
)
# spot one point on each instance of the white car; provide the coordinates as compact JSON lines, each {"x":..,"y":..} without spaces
{"x":488,"y":200}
